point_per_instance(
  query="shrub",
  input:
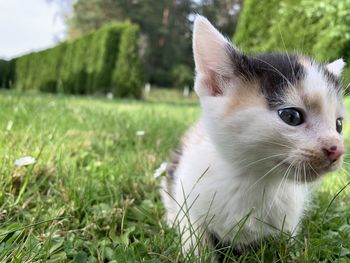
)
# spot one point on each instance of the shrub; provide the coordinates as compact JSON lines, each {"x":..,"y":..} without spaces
{"x":183,"y":76}
{"x":83,"y":66}
{"x":6,"y":73}
{"x":317,"y":28}
{"x":3,"y":67}
{"x":38,"y":70}
{"x":254,"y":23}
{"x":127,"y":76}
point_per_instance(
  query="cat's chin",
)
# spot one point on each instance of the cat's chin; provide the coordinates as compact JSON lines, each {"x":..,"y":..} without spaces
{"x":308,"y":173}
{"x":331,"y":168}
{"x":315,"y":175}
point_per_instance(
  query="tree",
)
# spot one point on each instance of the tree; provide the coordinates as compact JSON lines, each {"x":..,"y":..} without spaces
{"x":316,"y":28}
{"x":224,"y":13}
{"x":165,"y":27}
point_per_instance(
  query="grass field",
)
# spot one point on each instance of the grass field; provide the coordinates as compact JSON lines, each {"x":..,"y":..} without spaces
{"x":92,"y":197}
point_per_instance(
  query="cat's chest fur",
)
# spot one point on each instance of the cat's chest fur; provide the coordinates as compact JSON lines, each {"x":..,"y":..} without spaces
{"x":229,"y":202}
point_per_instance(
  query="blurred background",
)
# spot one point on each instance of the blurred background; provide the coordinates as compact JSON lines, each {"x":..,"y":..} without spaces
{"x":158,"y":52}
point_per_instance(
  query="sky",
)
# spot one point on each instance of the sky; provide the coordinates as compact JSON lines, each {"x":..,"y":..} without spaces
{"x":29,"y":25}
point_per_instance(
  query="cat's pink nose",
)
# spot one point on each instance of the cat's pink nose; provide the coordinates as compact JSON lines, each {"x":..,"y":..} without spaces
{"x":334,"y":152}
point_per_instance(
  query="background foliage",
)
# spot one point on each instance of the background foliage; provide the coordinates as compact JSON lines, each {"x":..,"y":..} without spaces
{"x":85,"y":65}
{"x":320,"y":29}
{"x":127,"y":77}
{"x":165,"y":28}
{"x":6,"y":73}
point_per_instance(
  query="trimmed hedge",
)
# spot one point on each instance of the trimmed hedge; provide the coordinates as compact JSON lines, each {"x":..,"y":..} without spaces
{"x":6,"y":73}
{"x":320,"y":29}
{"x":127,"y":75}
{"x":3,"y":67}
{"x":85,"y":65}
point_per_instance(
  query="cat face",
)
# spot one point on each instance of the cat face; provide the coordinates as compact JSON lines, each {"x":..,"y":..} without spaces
{"x":269,"y":114}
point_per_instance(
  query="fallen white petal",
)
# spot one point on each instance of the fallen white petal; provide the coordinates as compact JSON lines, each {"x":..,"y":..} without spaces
{"x":25,"y":161}
{"x":161,"y":169}
{"x":9,"y":125}
{"x":140,"y":133}
{"x":110,"y":95}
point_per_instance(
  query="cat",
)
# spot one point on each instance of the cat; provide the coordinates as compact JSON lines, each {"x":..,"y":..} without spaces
{"x":270,"y":128}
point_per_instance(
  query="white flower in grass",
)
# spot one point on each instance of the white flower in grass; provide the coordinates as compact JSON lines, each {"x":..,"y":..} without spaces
{"x":140,"y":133}
{"x":160,"y":170}
{"x":110,"y":96}
{"x":9,"y":125}
{"x":25,"y":161}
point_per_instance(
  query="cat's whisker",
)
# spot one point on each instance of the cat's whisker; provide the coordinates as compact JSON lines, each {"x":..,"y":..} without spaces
{"x":284,"y":178}
{"x":263,"y":159}
{"x":346,"y":88}
{"x":283,"y":181}
{"x":285,"y":175}
{"x":286,"y":52}
{"x":344,"y":170}
{"x":347,"y":164}
{"x":262,"y":141}
{"x":277,"y":71}
{"x":298,"y":179}
{"x":267,"y":173}
{"x":279,"y":144}
{"x":298,"y":172}
{"x":273,"y":139}
{"x":318,"y":175}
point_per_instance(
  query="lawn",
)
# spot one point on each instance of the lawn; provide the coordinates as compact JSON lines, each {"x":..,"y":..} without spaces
{"x":92,"y":195}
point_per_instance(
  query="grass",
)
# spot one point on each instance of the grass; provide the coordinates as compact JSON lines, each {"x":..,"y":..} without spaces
{"x":92,"y":196}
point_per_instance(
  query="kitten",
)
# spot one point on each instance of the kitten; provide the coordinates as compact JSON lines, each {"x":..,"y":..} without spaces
{"x":271,"y":127}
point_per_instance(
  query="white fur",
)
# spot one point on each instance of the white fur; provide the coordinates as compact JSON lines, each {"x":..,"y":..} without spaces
{"x":336,"y":67}
{"x":224,"y":196}
{"x":316,"y":84}
{"x":210,"y":55}
{"x":231,"y":178}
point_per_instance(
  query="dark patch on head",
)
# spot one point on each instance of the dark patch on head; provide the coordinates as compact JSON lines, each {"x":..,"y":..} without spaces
{"x":331,"y":78}
{"x":275,"y":73}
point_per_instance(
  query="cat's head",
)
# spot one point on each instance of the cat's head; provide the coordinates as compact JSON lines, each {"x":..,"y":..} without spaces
{"x":269,"y":112}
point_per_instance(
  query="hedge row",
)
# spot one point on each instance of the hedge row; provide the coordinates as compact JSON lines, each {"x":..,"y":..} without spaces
{"x":91,"y":64}
{"x":6,"y":73}
{"x":126,"y":74}
{"x":317,"y":28}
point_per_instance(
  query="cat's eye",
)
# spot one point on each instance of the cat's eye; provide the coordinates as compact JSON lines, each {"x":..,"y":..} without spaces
{"x":291,"y":116}
{"x":339,"y":125}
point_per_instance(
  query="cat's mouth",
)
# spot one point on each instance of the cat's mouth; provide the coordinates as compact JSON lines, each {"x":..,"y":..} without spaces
{"x":306,"y":171}
{"x":331,"y":166}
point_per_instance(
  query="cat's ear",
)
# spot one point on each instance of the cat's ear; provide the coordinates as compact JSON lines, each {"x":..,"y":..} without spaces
{"x":336,"y":67}
{"x":213,"y":58}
